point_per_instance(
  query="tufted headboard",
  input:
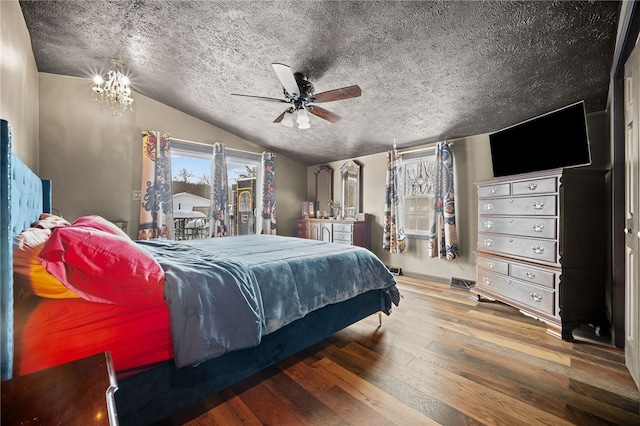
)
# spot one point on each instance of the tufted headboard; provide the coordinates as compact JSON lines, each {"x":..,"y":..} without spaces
{"x":24,"y":197}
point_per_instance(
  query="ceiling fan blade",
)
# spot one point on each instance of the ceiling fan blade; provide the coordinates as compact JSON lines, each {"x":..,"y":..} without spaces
{"x":285,"y":75}
{"x":337,"y":94}
{"x":323,"y":113}
{"x":280,"y":117}
{"x":262,"y":98}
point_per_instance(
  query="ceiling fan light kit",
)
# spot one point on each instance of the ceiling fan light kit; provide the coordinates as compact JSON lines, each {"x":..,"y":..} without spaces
{"x":299,"y":92}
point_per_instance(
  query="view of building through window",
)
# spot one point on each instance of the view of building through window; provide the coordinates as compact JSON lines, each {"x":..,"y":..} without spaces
{"x":191,"y":187}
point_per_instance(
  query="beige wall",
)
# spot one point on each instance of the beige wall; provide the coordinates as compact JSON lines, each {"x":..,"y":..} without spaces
{"x":18,"y":83}
{"x":94,"y":158}
{"x":472,"y":163}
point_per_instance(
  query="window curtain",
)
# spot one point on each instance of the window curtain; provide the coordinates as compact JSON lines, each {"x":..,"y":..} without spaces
{"x":268,"y":222}
{"x":443,"y":238}
{"x":394,"y":239}
{"x":156,"y":207}
{"x":219,"y":193}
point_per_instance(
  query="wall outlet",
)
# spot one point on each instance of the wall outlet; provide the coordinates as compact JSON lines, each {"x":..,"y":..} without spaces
{"x":136,"y":194}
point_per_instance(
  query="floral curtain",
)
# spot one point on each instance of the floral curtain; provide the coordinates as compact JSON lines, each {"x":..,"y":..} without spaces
{"x":443,"y":238}
{"x":268,"y":222}
{"x":219,"y":193}
{"x":156,"y":208}
{"x":394,"y":239}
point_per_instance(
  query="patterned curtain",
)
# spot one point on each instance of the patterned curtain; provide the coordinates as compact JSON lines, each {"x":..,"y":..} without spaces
{"x":268,"y":222}
{"x":219,"y":193}
{"x":156,"y":208}
{"x":443,"y":238}
{"x":394,"y":240}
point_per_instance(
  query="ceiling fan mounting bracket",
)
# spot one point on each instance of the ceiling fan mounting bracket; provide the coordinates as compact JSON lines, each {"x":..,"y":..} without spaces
{"x":306,"y":88}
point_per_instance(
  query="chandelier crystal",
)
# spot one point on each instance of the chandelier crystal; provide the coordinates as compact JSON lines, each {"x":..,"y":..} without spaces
{"x":115,"y":93}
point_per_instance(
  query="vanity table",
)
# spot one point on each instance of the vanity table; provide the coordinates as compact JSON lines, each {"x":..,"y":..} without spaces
{"x":345,"y":231}
{"x":351,"y":227}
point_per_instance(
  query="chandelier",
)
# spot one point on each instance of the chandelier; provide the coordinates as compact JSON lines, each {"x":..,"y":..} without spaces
{"x":115,"y":93}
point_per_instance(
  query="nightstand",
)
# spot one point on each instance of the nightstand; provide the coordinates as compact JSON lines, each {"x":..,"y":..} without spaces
{"x":78,"y":392}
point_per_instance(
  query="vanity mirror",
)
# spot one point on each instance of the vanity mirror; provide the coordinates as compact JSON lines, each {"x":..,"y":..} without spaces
{"x":350,"y":172}
{"x":324,"y":191}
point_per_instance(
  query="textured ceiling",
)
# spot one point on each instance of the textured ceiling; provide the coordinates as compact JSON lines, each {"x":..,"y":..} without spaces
{"x":428,"y":70}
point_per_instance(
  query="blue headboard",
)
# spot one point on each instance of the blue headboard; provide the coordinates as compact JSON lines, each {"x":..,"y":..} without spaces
{"x":24,"y":197}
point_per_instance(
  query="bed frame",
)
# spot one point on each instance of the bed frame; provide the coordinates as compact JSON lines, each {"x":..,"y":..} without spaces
{"x":154,"y":394}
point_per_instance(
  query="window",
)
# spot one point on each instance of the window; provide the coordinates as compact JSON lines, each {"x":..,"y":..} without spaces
{"x":243,"y":173}
{"x":417,"y":189}
{"x":191,"y":188}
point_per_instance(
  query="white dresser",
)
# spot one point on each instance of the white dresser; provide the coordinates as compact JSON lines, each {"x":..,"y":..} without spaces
{"x":542,"y":246}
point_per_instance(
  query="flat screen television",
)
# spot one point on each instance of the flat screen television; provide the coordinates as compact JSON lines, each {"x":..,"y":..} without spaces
{"x":555,"y":140}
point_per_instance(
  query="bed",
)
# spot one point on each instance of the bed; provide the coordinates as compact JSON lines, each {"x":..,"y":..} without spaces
{"x":161,"y":367}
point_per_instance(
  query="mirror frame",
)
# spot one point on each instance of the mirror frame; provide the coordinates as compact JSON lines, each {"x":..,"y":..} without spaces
{"x":350,"y":171}
{"x":329,"y":171}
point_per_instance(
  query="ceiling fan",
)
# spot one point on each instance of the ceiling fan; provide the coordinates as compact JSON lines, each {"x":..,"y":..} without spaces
{"x":299,"y":93}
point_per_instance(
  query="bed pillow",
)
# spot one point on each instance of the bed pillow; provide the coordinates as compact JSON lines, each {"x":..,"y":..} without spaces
{"x":50,"y":221}
{"x":100,"y":223}
{"x":28,"y":272}
{"x":103,"y":267}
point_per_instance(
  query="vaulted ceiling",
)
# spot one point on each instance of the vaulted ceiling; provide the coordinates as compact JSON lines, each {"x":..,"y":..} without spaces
{"x":428,"y":70}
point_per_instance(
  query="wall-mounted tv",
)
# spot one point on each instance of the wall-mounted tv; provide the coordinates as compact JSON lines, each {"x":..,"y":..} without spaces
{"x":555,"y":140}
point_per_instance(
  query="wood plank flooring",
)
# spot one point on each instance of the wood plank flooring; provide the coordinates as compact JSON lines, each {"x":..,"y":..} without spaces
{"x":442,"y":357}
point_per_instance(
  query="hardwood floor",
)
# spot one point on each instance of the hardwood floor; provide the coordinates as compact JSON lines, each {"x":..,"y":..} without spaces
{"x":442,"y":357}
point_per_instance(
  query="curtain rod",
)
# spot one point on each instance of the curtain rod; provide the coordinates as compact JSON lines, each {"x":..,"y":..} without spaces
{"x":428,"y":148}
{"x":211,"y":145}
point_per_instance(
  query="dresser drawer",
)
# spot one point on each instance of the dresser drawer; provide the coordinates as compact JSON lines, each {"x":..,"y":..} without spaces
{"x":342,"y":237}
{"x":300,"y":233}
{"x":342,"y":227}
{"x":525,"y":226}
{"x":497,"y":190}
{"x":299,"y":224}
{"x":537,"y":298}
{"x":539,"y":250}
{"x":535,"y":186}
{"x":534,"y":275}
{"x":544,"y":205}
{"x":492,"y":264}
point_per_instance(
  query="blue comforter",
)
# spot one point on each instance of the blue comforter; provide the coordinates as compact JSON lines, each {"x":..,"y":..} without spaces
{"x":224,"y":294}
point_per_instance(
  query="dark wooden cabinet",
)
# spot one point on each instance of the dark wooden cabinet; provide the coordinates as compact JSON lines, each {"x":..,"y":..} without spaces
{"x":542,"y":246}
{"x":77,"y":393}
{"x":345,"y":231}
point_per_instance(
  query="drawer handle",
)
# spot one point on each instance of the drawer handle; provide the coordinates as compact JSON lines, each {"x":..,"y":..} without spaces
{"x":530,"y":275}
{"x":494,"y":190}
{"x":491,"y":265}
{"x":538,"y":227}
{"x":488,"y":206}
{"x":488,"y":242}
{"x":488,"y":224}
{"x":536,"y":297}
{"x":538,"y":205}
{"x":487,"y":280}
{"x":537,"y":249}
{"x":532,"y":186}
